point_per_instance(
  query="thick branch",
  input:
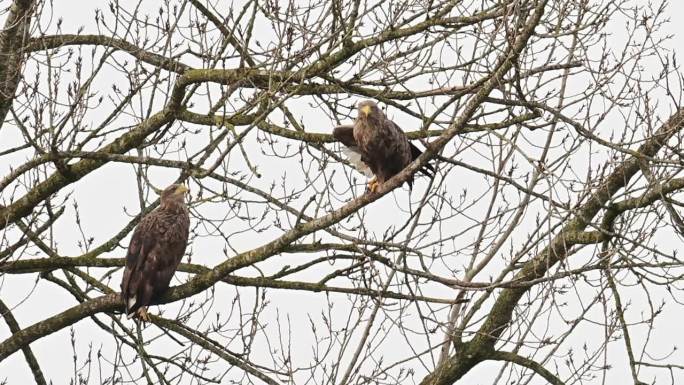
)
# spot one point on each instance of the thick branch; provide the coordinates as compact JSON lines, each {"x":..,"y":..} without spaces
{"x":12,"y":52}
{"x":204,"y":281}
{"x":56,"y":41}
{"x":30,"y":358}
{"x":538,"y":266}
{"x":25,"y":205}
{"x":314,"y":137}
{"x":43,"y":265}
{"x":24,"y":337}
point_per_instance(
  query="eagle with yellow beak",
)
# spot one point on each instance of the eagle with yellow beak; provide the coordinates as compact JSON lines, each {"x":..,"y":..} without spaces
{"x":155,"y":250}
{"x":377,"y":147}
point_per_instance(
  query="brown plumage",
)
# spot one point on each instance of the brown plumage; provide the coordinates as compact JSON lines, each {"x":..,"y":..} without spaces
{"x":377,"y":146}
{"x":155,"y":250}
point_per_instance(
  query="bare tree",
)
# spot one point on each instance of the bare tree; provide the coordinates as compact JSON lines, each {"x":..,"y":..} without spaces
{"x":543,"y":251}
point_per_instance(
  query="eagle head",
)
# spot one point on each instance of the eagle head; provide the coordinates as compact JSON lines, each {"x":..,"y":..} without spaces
{"x":174,"y":193}
{"x":367,"y":108}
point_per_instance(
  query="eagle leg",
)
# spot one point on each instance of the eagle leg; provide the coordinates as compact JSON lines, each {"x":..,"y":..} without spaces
{"x":142,"y":314}
{"x":373,"y":185}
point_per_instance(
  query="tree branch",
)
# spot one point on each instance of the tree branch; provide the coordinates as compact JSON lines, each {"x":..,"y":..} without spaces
{"x":528,"y":363}
{"x":30,"y":358}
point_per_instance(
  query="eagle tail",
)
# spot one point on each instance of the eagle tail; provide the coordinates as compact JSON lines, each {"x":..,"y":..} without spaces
{"x":130,"y":307}
{"x":428,"y":169}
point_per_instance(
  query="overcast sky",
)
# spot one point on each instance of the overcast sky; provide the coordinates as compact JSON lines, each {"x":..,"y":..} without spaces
{"x":110,"y":185}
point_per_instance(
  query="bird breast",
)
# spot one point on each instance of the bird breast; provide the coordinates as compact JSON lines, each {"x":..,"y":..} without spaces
{"x":368,"y":136}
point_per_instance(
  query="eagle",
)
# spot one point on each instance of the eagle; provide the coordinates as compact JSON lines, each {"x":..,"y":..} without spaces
{"x":155,"y":250}
{"x":377,"y":147}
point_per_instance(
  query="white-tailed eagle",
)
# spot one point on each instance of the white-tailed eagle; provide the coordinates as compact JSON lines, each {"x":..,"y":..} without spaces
{"x":377,"y":147}
{"x":155,"y":250}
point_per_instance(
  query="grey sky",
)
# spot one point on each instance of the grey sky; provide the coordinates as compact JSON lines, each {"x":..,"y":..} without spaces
{"x":112,"y":184}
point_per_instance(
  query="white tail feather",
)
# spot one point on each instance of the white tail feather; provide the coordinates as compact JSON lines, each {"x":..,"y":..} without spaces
{"x":129,"y":305}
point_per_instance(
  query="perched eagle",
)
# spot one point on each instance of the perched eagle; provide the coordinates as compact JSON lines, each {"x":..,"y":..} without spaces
{"x":377,"y":147}
{"x":156,"y":249}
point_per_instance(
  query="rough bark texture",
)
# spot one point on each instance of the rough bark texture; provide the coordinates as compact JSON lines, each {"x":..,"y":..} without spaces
{"x":13,"y":40}
{"x":486,"y":243}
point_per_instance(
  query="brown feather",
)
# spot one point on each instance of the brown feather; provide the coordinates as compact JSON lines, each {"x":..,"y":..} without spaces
{"x":382,"y":144}
{"x":345,"y":135}
{"x":155,"y":250}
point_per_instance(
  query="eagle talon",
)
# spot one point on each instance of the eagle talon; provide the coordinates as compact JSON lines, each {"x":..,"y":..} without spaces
{"x":143,"y":315}
{"x":373,"y":186}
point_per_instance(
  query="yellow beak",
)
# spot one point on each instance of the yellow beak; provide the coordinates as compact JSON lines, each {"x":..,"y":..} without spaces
{"x":366,"y":110}
{"x":182,"y":189}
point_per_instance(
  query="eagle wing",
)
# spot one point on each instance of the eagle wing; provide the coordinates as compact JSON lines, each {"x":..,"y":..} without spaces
{"x":153,"y":255}
{"x":428,"y":169}
{"x":345,"y":135}
{"x":142,"y":243}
